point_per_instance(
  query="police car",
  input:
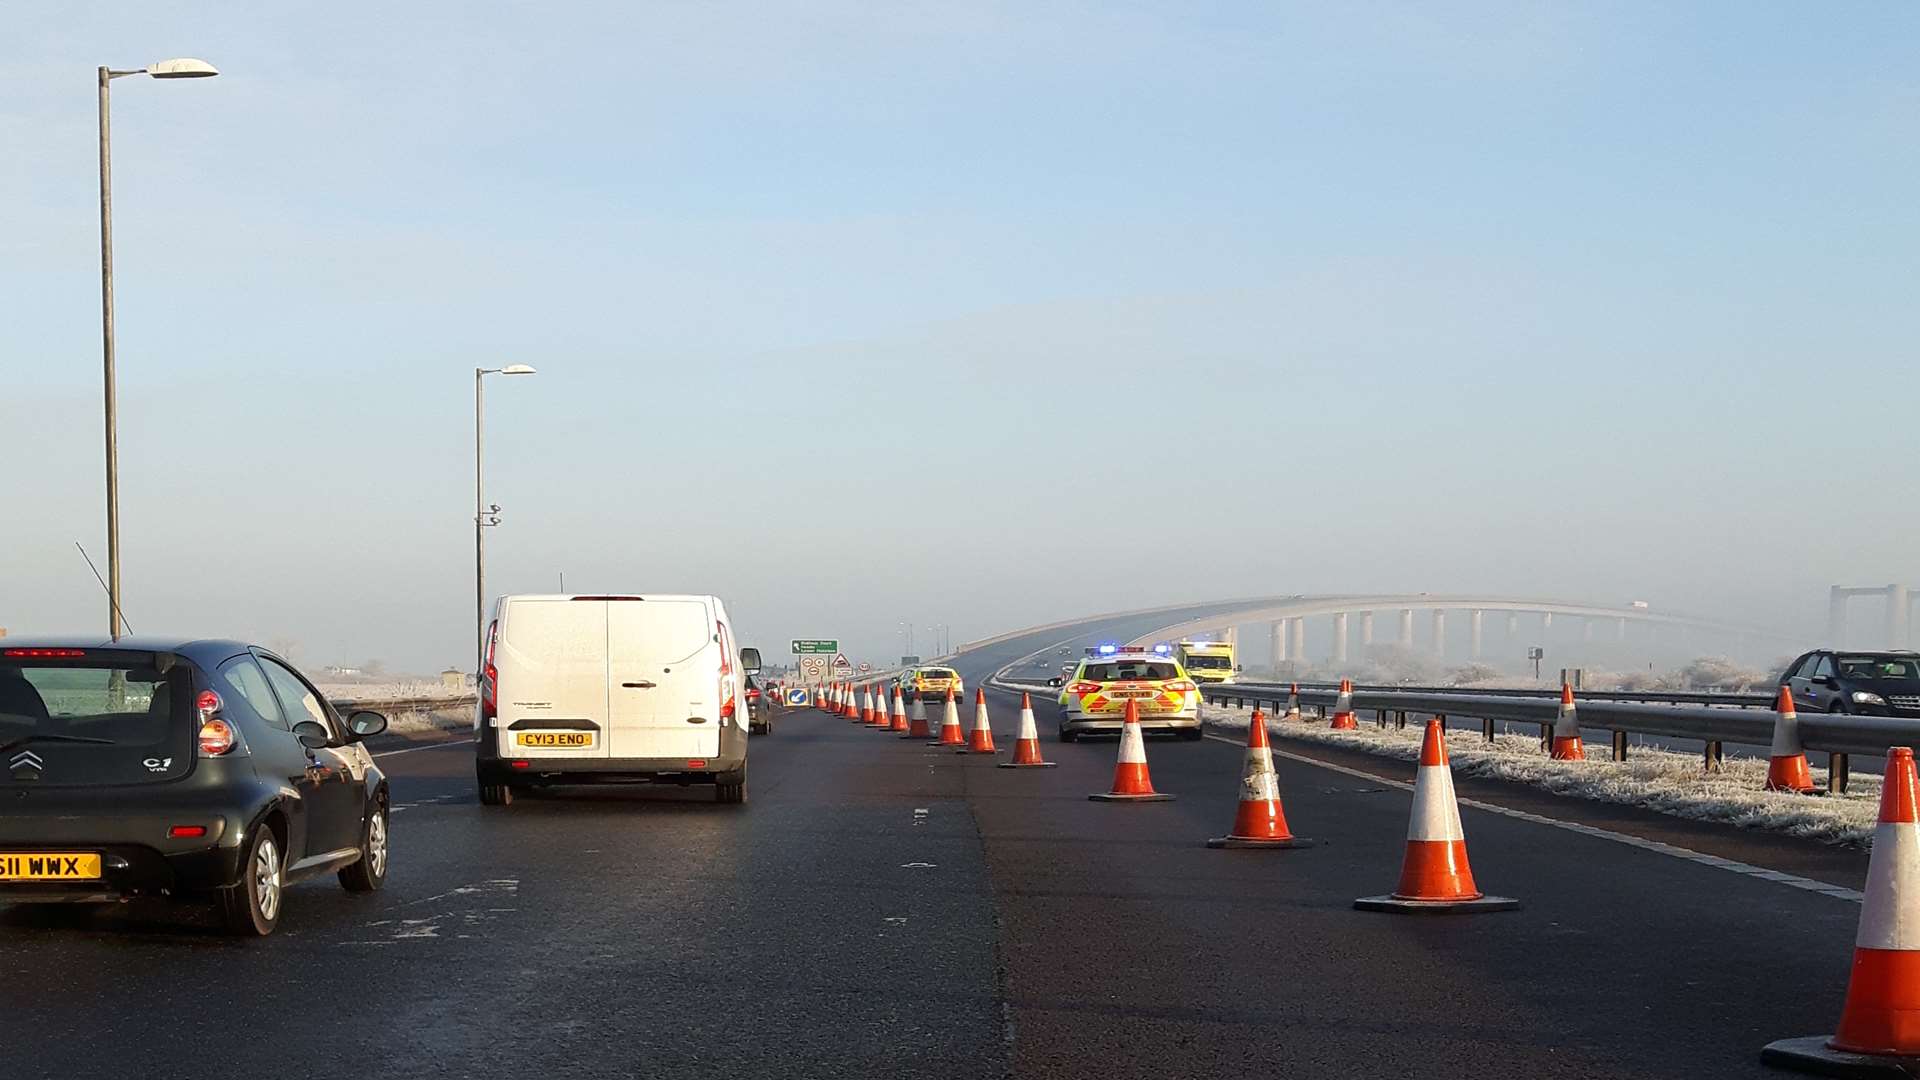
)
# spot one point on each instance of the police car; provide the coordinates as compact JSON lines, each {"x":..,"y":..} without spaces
{"x":1094,"y":696}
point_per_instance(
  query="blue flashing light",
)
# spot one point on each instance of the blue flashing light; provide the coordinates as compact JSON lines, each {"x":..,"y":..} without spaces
{"x":1109,"y":649}
{"x":1162,"y":648}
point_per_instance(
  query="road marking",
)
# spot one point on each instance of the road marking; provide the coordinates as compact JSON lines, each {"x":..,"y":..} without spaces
{"x":1655,"y":846}
{"x":429,"y":746}
{"x":917,"y":866}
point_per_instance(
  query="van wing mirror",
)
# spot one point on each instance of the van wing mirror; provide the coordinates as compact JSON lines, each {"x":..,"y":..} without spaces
{"x":750,"y":660}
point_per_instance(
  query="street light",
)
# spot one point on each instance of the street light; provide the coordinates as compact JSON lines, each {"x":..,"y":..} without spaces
{"x":484,"y":515}
{"x":184,"y":68}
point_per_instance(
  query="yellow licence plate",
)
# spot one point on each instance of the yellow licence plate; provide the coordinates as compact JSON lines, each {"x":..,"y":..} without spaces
{"x":50,"y":866}
{"x":556,"y":740}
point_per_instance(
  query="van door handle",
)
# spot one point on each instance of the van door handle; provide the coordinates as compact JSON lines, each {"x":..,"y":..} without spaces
{"x":641,"y":685}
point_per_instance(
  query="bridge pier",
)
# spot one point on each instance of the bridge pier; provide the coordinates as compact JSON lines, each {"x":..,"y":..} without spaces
{"x":1279,"y":647}
{"x":1366,"y":630}
{"x":1299,"y":636}
{"x":1440,"y":632}
{"x":1406,"y":629}
{"x":1476,"y":633}
{"x":1339,"y":637}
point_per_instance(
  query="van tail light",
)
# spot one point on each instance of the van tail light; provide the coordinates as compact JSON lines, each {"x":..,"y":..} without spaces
{"x":727,"y":702}
{"x":490,"y":678}
{"x":726,"y":649}
{"x":1083,"y":688}
{"x":216,"y":734}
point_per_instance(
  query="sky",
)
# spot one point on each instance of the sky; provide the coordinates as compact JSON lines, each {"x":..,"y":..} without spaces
{"x":964,"y":314}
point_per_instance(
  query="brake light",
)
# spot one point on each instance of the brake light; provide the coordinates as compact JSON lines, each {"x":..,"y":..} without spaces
{"x":216,"y":734}
{"x":46,"y":654}
{"x":186,"y":832}
{"x":726,"y":709}
{"x":1180,"y":686}
{"x":726,"y":649}
{"x":490,"y":678}
{"x":1083,"y":688}
{"x":753,"y":693}
{"x":696,"y":763}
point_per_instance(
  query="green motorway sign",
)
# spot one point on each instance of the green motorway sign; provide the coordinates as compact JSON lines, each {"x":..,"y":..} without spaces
{"x":804,"y":645}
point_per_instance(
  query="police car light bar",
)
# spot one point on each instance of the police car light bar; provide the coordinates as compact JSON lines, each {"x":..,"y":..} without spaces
{"x":1111,"y":649}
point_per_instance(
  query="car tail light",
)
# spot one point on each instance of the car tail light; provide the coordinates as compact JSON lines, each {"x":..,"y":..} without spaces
{"x":216,"y":735}
{"x":490,"y":678}
{"x":1083,"y":688}
{"x":1180,"y":686}
{"x":753,"y":693}
{"x":46,"y":654}
{"x":186,"y":832}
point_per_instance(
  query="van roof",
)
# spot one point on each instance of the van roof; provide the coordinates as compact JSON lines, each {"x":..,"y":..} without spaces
{"x":702,"y":597}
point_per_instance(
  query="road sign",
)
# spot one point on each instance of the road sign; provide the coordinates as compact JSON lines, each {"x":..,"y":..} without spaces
{"x":797,"y":697}
{"x":865,"y":667}
{"x":842,"y":666}
{"x":815,"y":668}
{"x":802,"y":646}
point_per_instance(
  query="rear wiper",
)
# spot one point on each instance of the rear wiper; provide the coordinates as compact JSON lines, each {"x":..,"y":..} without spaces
{"x":25,"y":739}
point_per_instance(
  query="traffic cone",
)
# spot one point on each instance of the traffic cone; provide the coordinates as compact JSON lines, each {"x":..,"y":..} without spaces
{"x":1566,"y":730}
{"x":1131,"y":783}
{"x":950,"y":734}
{"x":1026,"y":748}
{"x":918,"y":729}
{"x":878,"y":720}
{"x":862,"y":710}
{"x":1343,"y":719}
{"x":1259,"y":822}
{"x":981,"y":740}
{"x":1879,"y":1032}
{"x":1787,"y":762}
{"x":1293,"y":703}
{"x":1435,"y":876}
{"x":899,"y":722}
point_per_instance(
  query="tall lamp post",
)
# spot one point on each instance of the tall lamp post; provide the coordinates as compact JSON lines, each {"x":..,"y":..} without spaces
{"x":484,"y":515}
{"x":165,"y":69}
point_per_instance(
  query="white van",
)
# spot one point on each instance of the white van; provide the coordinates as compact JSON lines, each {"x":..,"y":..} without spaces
{"x":612,"y":689}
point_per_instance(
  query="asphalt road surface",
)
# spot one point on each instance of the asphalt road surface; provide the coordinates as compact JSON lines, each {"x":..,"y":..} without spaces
{"x":884,"y":909}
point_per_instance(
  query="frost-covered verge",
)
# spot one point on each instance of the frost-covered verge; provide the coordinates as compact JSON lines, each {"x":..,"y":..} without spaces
{"x":1660,"y":780}
{"x":370,"y":692}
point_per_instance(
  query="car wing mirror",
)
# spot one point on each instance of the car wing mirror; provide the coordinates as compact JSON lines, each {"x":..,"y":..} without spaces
{"x":365,"y":723}
{"x":312,"y":734}
{"x":750,"y":660}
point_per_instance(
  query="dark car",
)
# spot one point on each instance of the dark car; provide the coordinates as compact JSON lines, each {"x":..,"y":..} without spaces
{"x":1852,"y":681}
{"x":759,"y":708}
{"x":184,"y":769}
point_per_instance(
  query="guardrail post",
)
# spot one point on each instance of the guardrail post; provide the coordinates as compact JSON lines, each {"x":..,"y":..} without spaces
{"x":1546,"y":736}
{"x":1486,"y":728}
{"x":1380,"y":718}
{"x":1400,"y":719}
{"x":1837,"y":770}
{"x":1713,"y":756}
{"x":1619,"y":746}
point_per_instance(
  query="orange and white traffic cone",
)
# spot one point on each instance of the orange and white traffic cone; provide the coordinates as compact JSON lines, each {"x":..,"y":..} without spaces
{"x":1343,"y":718}
{"x":862,"y":704}
{"x":1879,"y":1032}
{"x":1293,"y":703}
{"x":1131,"y":783}
{"x":950,"y":734}
{"x":1026,"y":749}
{"x":879,"y":720}
{"x":980,"y":741}
{"x":852,"y":709}
{"x":899,"y":722}
{"x":1435,"y":876}
{"x":1259,"y":822}
{"x":1566,"y":730}
{"x":918,"y":728}
{"x":1787,"y":762}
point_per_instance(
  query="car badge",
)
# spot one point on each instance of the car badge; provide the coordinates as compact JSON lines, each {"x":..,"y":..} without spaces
{"x":26,"y":765}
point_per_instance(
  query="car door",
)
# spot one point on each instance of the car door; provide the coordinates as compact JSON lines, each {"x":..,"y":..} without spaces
{"x":1795,"y":680}
{"x":666,"y":689}
{"x":1821,"y":695}
{"x":275,"y":751}
{"x":339,"y":798}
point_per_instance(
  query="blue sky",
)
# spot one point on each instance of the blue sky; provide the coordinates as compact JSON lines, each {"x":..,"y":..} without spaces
{"x":1597,"y":301}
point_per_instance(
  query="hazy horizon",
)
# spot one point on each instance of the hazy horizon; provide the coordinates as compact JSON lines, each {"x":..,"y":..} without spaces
{"x":976,"y":315}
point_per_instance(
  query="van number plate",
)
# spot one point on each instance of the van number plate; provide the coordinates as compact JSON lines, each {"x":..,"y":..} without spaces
{"x":556,"y":740}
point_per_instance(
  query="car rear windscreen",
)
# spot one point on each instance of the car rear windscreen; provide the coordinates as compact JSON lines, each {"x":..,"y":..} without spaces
{"x":1121,"y":670}
{"x":83,"y":720}
{"x":937,"y":673}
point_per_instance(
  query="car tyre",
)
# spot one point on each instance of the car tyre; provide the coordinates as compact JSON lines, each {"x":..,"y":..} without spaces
{"x":1195,"y":734}
{"x":495,"y":794}
{"x":251,"y":906}
{"x":370,"y":872}
{"x":731,"y":794}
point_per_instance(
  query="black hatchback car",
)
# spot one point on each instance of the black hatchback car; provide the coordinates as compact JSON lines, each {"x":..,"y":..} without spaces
{"x":1852,"y":681}
{"x":191,"y":769}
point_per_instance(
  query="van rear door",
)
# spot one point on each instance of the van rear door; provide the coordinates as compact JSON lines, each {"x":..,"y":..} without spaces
{"x":552,"y":660}
{"x":665,"y":675}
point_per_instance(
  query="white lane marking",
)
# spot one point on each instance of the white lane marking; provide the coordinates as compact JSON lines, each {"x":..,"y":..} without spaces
{"x":429,"y":746}
{"x":917,"y":866}
{"x":1655,"y":846}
